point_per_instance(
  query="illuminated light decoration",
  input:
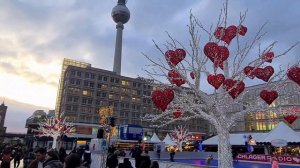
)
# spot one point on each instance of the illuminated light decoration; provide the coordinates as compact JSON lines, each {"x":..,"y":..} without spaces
{"x":234,"y":87}
{"x":268,"y":57}
{"x":174,"y":57}
{"x":249,"y":71}
{"x":180,"y":135}
{"x":217,"y":54}
{"x":176,"y":78}
{"x":264,"y":73}
{"x":268,"y":96}
{"x":55,"y":128}
{"x":227,"y":34}
{"x":161,"y":99}
{"x":294,"y":74}
{"x":290,"y":118}
{"x":242,"y":30}
{"x":216,"y":80}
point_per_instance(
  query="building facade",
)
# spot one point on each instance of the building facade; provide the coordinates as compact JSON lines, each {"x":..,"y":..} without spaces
{"x":288,"y":97}
{"x":85,"y":90}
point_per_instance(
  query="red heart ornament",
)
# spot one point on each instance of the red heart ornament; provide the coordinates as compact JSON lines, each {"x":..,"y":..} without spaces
{"x":268,"y":96}
{"x":217,"y":54}
{"x":211,"y":50}
{"x":174,"y":57}
{"x":294,"y":74}
{"x":192,"y":74}
{"x":227,"y":34}
{"x":242,"y":30}
{"x":177,"y":113}
{"x":161,"y":99}
{"x":175,"y":78}
{"x":169,"y":94}
{"x":216,"y":80}
{"x":268,"y":57}
{"x":234,"y":87}
{"x":264,"y":73}
{"x":249,"y":71}
{"x":290,"y":118}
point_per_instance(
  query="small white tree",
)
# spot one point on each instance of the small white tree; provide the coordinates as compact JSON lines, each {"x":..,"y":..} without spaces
{"x":180,"y":135}
{"x":54,"y":127}
{"x":225,"y":69}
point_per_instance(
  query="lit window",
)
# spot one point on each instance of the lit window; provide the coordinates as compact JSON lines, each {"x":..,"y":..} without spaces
{"x":84,"y":92}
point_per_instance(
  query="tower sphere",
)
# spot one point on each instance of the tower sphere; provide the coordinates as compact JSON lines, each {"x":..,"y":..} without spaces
{"x":120,"y":13}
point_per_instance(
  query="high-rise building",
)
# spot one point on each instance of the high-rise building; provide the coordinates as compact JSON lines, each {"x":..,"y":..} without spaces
{"x":3,"y":109}
{"x":66,"y":63}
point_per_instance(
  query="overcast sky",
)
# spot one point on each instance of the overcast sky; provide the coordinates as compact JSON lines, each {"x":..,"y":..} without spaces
{"x":35,"y":36}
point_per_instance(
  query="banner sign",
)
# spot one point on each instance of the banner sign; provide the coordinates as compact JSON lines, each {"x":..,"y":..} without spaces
{"x":267,"y":158}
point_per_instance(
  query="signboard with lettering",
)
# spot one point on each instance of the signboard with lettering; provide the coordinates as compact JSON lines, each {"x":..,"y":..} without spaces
{"x":267,"y":158}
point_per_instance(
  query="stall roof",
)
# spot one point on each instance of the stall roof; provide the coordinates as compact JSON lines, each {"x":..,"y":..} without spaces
{"x":168,"y":140}
{"x":155,"y":138}
{"x":281,"y":131}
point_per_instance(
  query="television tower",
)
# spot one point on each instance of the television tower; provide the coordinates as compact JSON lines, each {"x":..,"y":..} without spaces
{"x":120,"y":15}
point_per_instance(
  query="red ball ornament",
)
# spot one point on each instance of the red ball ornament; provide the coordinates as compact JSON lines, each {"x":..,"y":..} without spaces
{"x":216,"y":80}
{"x":268,"y":96}
{"x":294,"y":74}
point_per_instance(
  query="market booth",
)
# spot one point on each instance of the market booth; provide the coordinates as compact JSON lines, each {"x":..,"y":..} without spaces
{"x":281,"y":143}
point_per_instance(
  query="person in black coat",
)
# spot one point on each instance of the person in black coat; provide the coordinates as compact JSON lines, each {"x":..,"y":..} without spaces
{"x":87,"y":157}
{"x":112,"y":158}
{"x":145,"y":160}
{"x":126,"y":164}
{"x":62,"y":154}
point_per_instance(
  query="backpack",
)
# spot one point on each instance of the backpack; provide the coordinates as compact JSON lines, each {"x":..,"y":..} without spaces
{"x":6,"y":158}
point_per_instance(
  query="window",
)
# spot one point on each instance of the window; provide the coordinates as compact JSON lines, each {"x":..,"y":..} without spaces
{"x":84,"y":92}
{"x":87,"y":75}
{"x":91,"y":84}
{"x":105,"y":78}
{"x":72,"y":81}
{"x":73,"y":73}
{"x":112,"y":80}
{"x":98,"y":94}
{"x":90,"y":101}
{"x":85,"y":83}
{"x":125,"y":83}
{"x":100,"y":77}
{"x":78,"y":73}
{"x":117,"y":80}
{"x":103,"y":95}
{"x":92,"y":76}
{"x":84,"y":100}
{"x":78,"y":82}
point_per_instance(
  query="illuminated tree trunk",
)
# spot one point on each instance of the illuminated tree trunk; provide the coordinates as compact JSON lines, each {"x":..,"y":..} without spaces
{"x":54,"y":142}
{"x":224,"y":148}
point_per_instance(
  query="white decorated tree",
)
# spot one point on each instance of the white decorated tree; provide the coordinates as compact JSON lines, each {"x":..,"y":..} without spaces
{"x":55,"y":127}
{"x":179,"y":135}
{"x":224,"y":62}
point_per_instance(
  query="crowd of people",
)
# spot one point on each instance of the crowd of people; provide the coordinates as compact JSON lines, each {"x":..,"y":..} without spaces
{"x":41,"y":158}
